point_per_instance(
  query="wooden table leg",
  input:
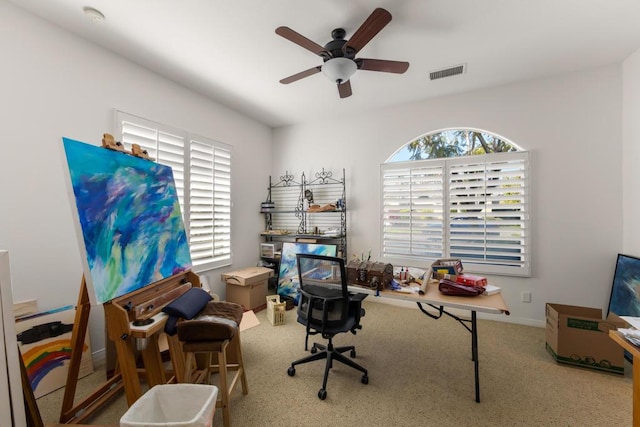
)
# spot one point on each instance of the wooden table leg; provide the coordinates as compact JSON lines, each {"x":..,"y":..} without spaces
{"x":636,"y":391}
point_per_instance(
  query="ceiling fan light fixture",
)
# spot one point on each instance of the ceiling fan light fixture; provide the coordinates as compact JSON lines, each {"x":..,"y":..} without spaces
{"x":339,"y":70}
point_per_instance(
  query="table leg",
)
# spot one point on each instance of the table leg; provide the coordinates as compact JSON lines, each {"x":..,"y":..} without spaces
{"x":474,"y":353}
{"x":636,"y":391}
{"x":474,"y":338}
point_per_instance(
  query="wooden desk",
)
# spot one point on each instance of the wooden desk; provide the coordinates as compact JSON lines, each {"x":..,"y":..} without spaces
{"x":635,"y":352}
{"x":493,"y":304}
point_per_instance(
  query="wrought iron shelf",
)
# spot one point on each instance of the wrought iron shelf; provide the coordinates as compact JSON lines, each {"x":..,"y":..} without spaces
{"x":287,"y":199}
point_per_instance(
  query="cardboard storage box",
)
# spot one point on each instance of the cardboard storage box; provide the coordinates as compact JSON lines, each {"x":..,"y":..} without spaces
{"x":248,"y":287}
{"x":450,"y":266}
{"x":579,"y":336}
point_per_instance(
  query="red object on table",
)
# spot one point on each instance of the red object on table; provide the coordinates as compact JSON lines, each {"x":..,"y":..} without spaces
{"x":471,"y":280}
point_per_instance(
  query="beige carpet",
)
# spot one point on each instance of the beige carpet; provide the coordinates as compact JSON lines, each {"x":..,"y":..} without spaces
{"x":420,"y":374}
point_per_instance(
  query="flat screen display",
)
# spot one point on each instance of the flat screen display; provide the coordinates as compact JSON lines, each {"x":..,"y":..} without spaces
{"x":625,"y":291}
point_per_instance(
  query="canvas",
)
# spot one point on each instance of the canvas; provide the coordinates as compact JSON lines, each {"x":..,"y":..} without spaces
{"x":288,"y":281}
{"x":128,"y":215}
{"x":625,"y":291}
{"x":44,"y":340}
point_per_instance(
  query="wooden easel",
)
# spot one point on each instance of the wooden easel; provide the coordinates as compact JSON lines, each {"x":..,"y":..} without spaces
{"x":32,"y":413}
{"x":70,"y":414}
{"x":119,"y":315}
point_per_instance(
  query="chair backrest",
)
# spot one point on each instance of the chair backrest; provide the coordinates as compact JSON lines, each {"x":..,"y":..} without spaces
{"x":322,"y":278}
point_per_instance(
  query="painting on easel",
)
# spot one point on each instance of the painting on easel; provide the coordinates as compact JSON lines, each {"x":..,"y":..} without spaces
{"x":129,"y":220}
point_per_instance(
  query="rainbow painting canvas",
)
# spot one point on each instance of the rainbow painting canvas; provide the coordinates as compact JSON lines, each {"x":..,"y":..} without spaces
{"x":44,"y":340}
{"x":128,"y":214}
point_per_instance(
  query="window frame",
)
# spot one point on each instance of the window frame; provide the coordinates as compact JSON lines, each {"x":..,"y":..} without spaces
{"x":218,"y":253}
{"x":445,"y":194}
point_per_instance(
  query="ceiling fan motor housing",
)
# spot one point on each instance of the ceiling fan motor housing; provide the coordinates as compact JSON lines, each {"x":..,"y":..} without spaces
{"x":335,"y":46}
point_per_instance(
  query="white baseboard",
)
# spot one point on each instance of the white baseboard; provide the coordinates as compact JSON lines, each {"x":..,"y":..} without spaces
{"x":99,"y":358}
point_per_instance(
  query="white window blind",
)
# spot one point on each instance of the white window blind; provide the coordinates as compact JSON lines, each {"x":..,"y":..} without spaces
{"x":474,"y":208}
{"x":202,"y":173}
{"x":210,"y":200}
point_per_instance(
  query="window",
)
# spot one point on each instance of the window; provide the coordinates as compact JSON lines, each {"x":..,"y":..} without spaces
{"x":473,"y":207}
{"x":202,"y":172}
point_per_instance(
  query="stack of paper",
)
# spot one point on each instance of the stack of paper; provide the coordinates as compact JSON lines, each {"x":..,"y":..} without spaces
{"x":491,"y":290}
{"x":631,"y":334}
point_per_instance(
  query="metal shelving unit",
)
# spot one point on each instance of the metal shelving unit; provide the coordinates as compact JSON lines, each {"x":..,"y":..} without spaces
{"x":309,"y":209}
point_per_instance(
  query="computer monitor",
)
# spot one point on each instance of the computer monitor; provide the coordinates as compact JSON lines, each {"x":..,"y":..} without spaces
{"x":625,"y":290}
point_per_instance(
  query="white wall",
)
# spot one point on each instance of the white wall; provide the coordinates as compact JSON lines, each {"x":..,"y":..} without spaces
{"x":55,"y":84}
{"x":631,"y":155}
{"x":571,"y":125}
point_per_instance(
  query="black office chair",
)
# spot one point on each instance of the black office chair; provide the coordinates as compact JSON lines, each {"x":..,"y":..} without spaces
{"x":327,"y":308}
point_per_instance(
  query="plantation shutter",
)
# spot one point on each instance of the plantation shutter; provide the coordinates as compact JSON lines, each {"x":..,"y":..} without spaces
{"x":488,"y":215}
{"x":202,"y":173}
{"x":474,"y":208}
{"x":210,"y":201}
{"x":165,"y":145}
{"x":412,"y":200}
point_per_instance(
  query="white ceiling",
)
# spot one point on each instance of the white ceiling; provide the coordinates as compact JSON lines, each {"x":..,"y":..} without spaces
{"x":228,"y":49}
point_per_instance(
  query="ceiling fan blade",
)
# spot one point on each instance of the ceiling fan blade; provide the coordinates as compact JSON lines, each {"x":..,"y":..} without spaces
{"x":301,"y":75}
{"x":369,"y":28}
{"x":344,"y":89}
{"x":397,"y":67}
{"x":301,"y":40}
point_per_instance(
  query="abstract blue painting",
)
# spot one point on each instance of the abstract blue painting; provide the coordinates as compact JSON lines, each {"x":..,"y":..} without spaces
{"x":130,"y":225}
{"x":288,"y":280}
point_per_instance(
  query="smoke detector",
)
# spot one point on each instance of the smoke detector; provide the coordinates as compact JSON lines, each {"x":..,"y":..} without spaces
{"x":93,"y":14}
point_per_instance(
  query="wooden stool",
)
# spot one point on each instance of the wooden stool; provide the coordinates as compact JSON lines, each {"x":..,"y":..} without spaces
{"x":212,"y":332}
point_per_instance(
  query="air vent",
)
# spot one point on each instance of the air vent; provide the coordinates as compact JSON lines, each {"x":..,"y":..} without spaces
{"x":447,"y":72}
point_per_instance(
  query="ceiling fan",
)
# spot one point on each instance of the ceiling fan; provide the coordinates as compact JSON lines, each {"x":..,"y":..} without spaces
{"x":339,"y":54}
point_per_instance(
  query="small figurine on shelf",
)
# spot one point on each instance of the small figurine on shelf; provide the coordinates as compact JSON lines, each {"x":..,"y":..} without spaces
{"x":308,"y":194}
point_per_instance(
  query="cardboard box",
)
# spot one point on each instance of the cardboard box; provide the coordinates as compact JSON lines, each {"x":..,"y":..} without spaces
{"x":578,"y":336}
{"x":450,"y":266}
{"x":248,"y":287}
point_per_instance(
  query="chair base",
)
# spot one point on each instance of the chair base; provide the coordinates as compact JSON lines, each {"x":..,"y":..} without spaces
{"x":330,"y":353}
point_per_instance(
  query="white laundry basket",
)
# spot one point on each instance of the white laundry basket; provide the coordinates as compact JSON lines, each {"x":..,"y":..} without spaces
{"x":174,"y":405}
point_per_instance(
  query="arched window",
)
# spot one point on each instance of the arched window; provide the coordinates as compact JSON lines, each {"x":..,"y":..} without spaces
{"x":458,"y":193}
{"x":452,"y":143}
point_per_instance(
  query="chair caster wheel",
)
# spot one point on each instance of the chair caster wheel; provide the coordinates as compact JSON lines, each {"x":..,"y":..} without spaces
{"x":322,"y":394}
{"x":364,"y":379}
{"x":291,"y":371}
{"x":353,"y":354}
{"x":314,"y":350}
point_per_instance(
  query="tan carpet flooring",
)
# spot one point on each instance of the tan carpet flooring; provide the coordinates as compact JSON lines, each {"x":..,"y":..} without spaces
{"x":420,"y":374}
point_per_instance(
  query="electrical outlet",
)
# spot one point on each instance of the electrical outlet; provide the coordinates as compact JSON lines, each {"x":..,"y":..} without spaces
{"x":525,"y":296}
